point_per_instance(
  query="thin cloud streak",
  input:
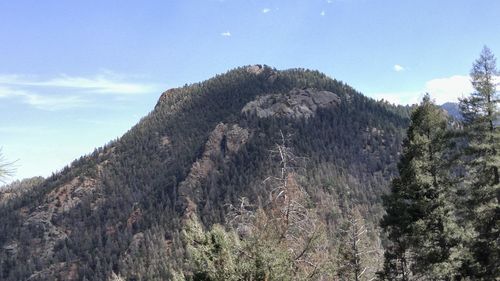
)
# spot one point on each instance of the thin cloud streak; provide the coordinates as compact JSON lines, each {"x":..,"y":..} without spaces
{"x":55,"y":103}
{"x":66,"y":92}
{"x":43,"y":102}
{"x":226,"y":34}
{"x":97,"y":84}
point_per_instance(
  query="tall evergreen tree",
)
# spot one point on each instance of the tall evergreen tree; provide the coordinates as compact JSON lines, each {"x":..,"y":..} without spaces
{"x":482,"y":160}
{"x":419,"y":221}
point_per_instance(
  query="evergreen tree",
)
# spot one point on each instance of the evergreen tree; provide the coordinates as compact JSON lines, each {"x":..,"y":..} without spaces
{"x":354,"y":143}
{"x":212,"y":253}
{"x":482,"y":135}
{"x":419,"y":221}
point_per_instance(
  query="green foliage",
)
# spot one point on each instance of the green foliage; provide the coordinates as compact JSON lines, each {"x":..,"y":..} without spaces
{"x":283,"y":241}
{"x":443,"y":212}
{"x":420,"y":222}
{"x":264,"y":254}
{"x":481,"y":161}
{"x":355,"y":144}
{"x":149,"y":257}
{"x":213,"y":253}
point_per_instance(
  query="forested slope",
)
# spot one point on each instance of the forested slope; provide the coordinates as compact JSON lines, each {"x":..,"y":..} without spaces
{"x":119,"y":211}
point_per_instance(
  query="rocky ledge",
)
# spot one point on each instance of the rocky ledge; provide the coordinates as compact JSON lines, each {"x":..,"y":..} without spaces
{"x":297,"y":103}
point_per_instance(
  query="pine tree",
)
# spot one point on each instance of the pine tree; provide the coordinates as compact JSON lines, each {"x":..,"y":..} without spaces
{"x":213,"y":253}
{"x":419,"y":221}
{"x":482,"y":160}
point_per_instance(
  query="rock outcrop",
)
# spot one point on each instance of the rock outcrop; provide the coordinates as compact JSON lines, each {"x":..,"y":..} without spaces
{"x":298,"y":103}
{"x":222,"y":142}
{"x":262,"y":70}
{"x":43,"y":224}
{"x":255,"y":69}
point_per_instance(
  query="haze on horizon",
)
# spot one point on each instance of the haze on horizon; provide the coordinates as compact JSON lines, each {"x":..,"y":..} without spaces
{"x":75,"y":76}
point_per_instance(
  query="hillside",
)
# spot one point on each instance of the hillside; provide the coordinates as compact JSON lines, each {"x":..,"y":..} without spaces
{"x":118,"y":212}
{"x":453,"y":110}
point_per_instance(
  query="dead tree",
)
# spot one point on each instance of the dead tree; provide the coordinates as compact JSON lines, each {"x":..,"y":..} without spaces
{"x":356,"y":254}
{"x":298,"y":227}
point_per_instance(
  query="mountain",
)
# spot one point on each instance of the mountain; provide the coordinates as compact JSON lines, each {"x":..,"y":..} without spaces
{"x":453,"y":110}
{"x":117,"y":213}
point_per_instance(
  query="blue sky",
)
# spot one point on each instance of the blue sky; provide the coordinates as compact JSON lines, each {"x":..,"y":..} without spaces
{"x":77,"y":74}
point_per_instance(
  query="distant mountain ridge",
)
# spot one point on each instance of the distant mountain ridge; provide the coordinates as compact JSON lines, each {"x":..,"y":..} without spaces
{"x":453,"y":110}
{"x":116,"y":214}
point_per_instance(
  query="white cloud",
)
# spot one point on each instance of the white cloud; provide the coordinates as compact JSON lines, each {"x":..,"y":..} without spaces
{"x":329,"y":1}
{"x":64,"y":91}
{"x":442,"y":90}
{"x":266,"y":10}
{"x":398,"y":68}
{"x":226,"y":34}
{"x":99,"y":84}
{"x":53,"y":103}
{"x":6,"y":92}
{"x":399,"y":97}
{"x":323,"y":13}
{"x":103,"y":83}
{"x":44,"y":102}
{"x":449,"y":89}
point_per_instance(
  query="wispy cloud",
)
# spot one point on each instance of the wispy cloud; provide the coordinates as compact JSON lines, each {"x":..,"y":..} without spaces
{"x":102,"y":83}
{"x":266,"y":10}
{"x":226,"y":34}
{"x":6,"y":92}
{"x":53,"y":103}
{"x":44,"y":102}
{"x":323,"y":13}
{"x":398,"y":68}
{"x":65,"y":91}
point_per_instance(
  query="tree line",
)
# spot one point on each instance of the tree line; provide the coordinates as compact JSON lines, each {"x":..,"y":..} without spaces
{"x":442,"y":218}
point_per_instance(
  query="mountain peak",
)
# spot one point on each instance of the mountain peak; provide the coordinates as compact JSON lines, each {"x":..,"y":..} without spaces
{"x":204,"y":147}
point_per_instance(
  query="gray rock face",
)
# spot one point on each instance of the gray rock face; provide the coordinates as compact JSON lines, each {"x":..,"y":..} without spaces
{"x":48,"y":234}
{"x":223,"y":141}
{"x":255,"y":69}
{"x":298,"y":103}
